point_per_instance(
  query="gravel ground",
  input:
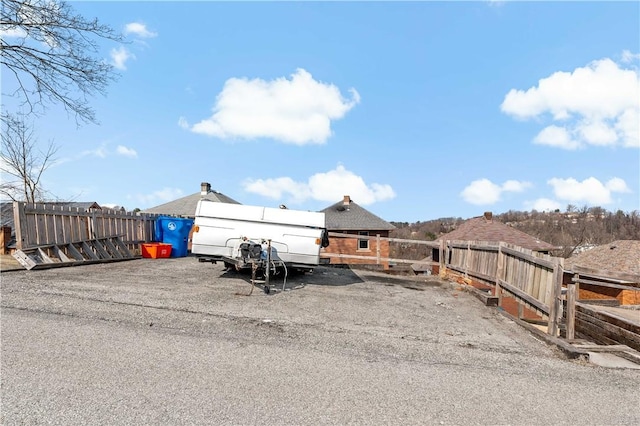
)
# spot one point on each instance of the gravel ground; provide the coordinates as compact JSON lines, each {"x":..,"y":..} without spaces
{"x":175,"y":341}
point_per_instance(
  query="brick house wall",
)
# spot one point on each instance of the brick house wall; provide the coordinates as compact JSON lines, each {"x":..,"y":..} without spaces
{"x":350,"y":246}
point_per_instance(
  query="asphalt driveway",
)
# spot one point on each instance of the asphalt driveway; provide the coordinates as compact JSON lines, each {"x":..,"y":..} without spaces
{"x":175,"y":341}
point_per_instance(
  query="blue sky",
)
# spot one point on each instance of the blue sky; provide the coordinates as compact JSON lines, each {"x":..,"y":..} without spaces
{"x":417,"y":110}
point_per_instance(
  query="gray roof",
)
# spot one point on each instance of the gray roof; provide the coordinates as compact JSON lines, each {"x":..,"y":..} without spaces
{"x":6,"y":214}
{"x":352,"y":217}
{"x":618,"y":256}
{"x":186,"y":206}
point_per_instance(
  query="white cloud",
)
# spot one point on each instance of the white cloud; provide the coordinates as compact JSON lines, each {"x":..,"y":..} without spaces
{"x":598,"y":104}
{"x":544,"y":205}
{"x":100,"y":152}
{"x":628,"y":57}
{"x":557,"y":137}
{"x":483,"y":191}
{"x":597,"y":133}
{"x":335,"y":184}
{"x":158,"y":197}
{"x":628,"y":124}
{"x":127,"y":152}
{"x":515,"y":186}
{"x":617,"y":185}
{"x":120,"y":56}
{"x":279,"y":187}
{"x":330,"y":186}
{"x":13,"y":33}
{"x":297,"y":110}
{"x":590,"y":190}
{"x":139,"y":29}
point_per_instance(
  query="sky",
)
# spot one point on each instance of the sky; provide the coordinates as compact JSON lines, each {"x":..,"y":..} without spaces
{"x":416,"y":110}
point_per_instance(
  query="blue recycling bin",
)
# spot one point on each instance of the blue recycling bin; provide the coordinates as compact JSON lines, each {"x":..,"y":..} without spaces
{"x":174,"y":231}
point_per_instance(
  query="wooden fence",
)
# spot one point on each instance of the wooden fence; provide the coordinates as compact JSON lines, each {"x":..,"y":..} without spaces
{"x":533,"y":279}
{"x":594,"y":323}
{"x":51,"y":224}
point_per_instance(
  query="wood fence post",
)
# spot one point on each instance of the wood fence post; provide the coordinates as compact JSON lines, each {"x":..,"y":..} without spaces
{"x":555,"y":308}
{"x":499,"y":272}
{"x":441,"y":259}
{"x":466,"y":260}
{"x":378,"y":249}
{"x":91,"y":225}
{"x":571,"y":307}
{"x":20,"y":224}
{"x":142,"y":229}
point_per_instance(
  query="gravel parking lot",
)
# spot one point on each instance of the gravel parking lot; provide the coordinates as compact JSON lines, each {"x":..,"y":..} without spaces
{"x":175,"y":341}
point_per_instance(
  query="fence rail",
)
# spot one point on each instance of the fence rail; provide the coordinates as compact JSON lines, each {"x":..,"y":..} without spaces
{"x":534,"y":280}
{"x":580,"y":319}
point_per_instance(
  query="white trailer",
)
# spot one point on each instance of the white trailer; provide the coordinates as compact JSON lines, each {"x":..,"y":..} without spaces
{"x":252,"y":236}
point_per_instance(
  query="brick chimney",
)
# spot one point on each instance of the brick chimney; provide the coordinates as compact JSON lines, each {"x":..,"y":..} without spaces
{"x":347,"y":200}
{"x":488,"y":216}
{"x":205,"y":188}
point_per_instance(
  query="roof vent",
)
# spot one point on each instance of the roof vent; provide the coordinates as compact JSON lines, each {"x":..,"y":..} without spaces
{"x":205,"y":188}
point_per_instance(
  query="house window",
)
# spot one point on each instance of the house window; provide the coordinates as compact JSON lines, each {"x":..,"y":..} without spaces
{"x":363,"y":244}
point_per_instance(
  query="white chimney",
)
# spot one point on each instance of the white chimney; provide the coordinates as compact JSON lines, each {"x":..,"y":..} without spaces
{"x":205,"y":188}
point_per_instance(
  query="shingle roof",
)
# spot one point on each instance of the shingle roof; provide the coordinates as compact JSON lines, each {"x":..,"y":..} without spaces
{"x":186,"y":206}
{"x":485,"y":228}
{"x":619,"y":256}
{"x":352,"y":217}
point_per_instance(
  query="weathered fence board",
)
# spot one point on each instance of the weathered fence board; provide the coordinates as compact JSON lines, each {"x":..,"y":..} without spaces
{"x":605,"y":328}
{"x":50,"y":224}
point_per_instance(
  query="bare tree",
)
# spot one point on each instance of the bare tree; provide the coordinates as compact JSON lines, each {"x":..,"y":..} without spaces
{"x":22,"y":162}
{"x":53,"y":55}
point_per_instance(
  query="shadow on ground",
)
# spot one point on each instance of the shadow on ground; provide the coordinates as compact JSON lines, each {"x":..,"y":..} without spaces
{"x":321,"y":275}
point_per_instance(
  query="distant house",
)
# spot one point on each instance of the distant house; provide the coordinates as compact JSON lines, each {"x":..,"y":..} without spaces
{"x":347,"y":217}
{"x":485,"y":228}
{"x":186,"y":206}
{"x":618,"y":257}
